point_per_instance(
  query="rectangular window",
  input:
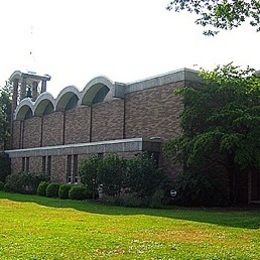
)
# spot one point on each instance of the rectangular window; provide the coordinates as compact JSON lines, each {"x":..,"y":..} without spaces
{"x":69,"y":173}
{"x":75,"y":168}
{"x":27,"y":164}
{"x":49,"y":166}
{"x":44,"y":164}
{"x":23,"y":164}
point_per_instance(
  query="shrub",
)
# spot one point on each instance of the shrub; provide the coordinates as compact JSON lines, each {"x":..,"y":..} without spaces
{"x":23,"y":182}
{"x":202,"y":189}
{"x":143,"y":175}
{"x":126,"y":200}
{"x":108,"y":171}
{"x":89,"y":169}
{"x":6,"y":188}
{"x":157,"y":199}
{"x":134,"y":200}
{"x":78,"y":193}
{"x":139,"y":175}
{"x":1,"y":186}
{"x":64,"y":191}
{"x":41,"y":190}
{"x":52,"y":190}
{"x":111,"y":174}
{"x":5,"y":167}
{"x":130,"y":200}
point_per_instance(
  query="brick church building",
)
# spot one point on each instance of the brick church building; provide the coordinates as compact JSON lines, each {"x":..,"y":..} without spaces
{"x":52,"y":135}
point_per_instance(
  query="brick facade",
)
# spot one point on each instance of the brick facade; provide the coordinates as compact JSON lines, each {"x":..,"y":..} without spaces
{"x":16,"y":165}
{"x":77,"y":125}
{"x":142,"y":109}
{"x":108,"y":120}
{"x":53,"y":129}
{"x":32,"y":132}
{"x":58,"y":169}
{"x":35,"y":164}
{"x":153,"y":113}
{"x":16,"y":135}
{"x":149,"y":113}
{"x":130,"y":118}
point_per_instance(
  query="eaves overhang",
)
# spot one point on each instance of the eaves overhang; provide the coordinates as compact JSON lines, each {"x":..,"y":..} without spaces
{"x":111,"y":146}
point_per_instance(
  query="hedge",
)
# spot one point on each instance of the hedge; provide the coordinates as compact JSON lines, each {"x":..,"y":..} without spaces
{"x":64,"y":191}
{"x":52,"y":190}
{"x":78,"y":193}
{"x":41,"y":190}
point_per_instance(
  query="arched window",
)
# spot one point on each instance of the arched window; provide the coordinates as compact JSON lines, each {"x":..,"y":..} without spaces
{"x":96,"y":91}
{"x":95,"y":94}
{"x":44,"y":107}
{"x":67,"y":99}
{"x":24,"y":112}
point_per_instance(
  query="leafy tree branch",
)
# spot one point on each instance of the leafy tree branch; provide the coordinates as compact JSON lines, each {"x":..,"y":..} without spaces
{"x":220,"y":14}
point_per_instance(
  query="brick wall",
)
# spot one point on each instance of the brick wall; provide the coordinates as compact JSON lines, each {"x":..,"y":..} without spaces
{"x":153,"y":112}
{"x":147,"y":113}
{"x":16,"y":134}
{"x":108,"y":120}
{"x":35,"y":164}
{"x":77,"y":125}
{"x":32,"y":132}
{"x":52,"y":129}
{"x":16,"y":165}
{"x":128,"y":155}
{"x":58,"y":169}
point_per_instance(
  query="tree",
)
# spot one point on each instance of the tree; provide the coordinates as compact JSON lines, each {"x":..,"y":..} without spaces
{"x":221,"y":124}
{"x":5,"y":115}
{"x":221,"y":14}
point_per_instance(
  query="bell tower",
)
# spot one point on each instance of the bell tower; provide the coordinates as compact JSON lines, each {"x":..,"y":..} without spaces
{"x":27,"y":85}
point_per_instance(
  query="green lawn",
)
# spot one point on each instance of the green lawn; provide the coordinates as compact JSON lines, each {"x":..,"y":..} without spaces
{"x":35,"y":227}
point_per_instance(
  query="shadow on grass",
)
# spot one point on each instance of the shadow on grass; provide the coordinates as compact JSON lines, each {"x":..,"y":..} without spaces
{"x":231,"y":217}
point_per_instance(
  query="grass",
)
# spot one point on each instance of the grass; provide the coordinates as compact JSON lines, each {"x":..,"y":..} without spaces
{"x":34,"y":227}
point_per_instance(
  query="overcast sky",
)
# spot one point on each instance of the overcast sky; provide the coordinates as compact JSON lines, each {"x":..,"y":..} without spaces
{"x":125,"y":40}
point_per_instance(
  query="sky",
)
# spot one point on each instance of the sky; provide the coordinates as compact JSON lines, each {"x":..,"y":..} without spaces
{"x":124,"y":40}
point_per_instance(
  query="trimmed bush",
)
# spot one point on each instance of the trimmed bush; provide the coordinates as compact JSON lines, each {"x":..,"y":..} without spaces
{"x":41,"y":190}
{"x":24,"y":182}
{"x":52,"y":190}
{"x":78,"y":193}
{"x":64,"y":191}
{"x":1,"y":186}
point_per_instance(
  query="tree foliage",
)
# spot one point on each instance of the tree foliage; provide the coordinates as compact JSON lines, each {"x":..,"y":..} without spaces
{"x":221,"y":14}
{"x":24,"y":182}
{"x":139,"y":175}
{"x":221,"y":123}
{"x":5,"y":115}
{"x":5,"y":167}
